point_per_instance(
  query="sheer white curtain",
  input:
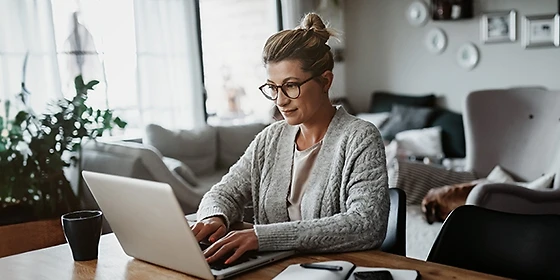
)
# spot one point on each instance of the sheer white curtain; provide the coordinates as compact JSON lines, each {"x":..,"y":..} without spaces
{"x":26,"y":27}
{"x":169,"y":74}
{"x":78,"y":53}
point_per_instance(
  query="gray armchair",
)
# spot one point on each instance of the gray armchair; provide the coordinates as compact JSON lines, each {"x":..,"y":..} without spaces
{"x":518,"y":129}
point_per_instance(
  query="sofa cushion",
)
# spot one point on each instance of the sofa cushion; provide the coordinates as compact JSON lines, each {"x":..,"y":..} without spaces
{"x":452,"y":132}
{"x":196,"y":148}
{"x":423,"y":142}
{"x":378,"y":119}
{"x":208,"y":180}
{"x":404,"y":118}
{"x":234,"y":140}
{"x":182,"y":170}
{"x":499,"y":175}
{"x":384,"y":101}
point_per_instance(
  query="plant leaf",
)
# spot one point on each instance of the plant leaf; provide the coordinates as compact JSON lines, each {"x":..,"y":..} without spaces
{"x":120,"y":123}
{"x":79,"y":82}
{"x":91,"y":84}
{"x":20,"y":118}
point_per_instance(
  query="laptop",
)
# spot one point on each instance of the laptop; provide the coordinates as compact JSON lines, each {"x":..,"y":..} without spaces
{"x":150,"y":225}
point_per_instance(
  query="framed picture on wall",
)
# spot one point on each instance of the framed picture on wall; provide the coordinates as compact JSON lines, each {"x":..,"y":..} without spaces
{"x":541,"y":31}
{"x":498,"y":27}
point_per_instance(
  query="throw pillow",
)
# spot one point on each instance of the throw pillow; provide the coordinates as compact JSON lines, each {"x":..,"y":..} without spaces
{"x":182,"y":170}
{"x":499,"y":175}
{"x":196,"y":148}
{"x":452,"y":132}
{"x":542,"y":183}
{"x":378,"y":119}
{"x":234,"y":140}
{"x":384,"y":101}
{"x":405,"y":118}
{"x":421,"y":142}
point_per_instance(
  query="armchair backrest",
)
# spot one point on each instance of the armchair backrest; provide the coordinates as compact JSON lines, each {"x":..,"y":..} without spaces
{"x":518,"y":129}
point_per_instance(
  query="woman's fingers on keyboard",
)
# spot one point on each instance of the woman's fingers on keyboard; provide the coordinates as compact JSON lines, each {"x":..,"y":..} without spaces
{"x":219,"y":233}
{"x":247,"y":240}
{"x":196,"y":228}
{"x":238,"y":252}
{"x":218,"y":250}
{"x":212,"y":227}
{"x":237,"y":241}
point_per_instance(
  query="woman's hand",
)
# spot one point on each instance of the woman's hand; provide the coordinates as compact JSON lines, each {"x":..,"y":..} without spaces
{"x":239,"y":241}
{"x":212,"y":228}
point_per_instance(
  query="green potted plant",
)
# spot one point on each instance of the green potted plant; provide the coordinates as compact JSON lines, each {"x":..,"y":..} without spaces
{"x":35,"y":150}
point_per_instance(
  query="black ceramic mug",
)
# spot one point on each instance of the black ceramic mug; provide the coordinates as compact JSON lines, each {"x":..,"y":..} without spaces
{"x":83,"y":230}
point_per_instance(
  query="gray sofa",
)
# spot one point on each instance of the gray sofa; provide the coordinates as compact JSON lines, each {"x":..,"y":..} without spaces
{"x":190,"y":161}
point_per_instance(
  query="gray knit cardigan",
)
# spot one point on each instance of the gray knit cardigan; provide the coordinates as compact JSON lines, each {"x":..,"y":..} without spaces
{"x":345,"y":206}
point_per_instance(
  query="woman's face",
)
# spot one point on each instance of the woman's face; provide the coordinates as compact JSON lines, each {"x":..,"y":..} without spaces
{"x":313,"y":93}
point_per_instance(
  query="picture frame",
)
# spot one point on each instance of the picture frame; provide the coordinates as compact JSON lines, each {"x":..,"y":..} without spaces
{"x":499,"y":27}
{"x":541,"y":31}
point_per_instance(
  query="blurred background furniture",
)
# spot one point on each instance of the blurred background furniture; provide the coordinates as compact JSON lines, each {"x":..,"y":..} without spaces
{"x":190,"y":161}
{"x":518,"y":246}
{"x":451,"y":123}
{"x":518,"y":130}
{"x":418,"y":116}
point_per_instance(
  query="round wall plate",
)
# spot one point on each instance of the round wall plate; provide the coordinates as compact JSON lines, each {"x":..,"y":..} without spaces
{"x":436,"y":41}
{"x":467,"y":56}
{"x":417,"y":13}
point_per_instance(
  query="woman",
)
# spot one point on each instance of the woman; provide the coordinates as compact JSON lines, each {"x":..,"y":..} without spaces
{"x":317,"y":179}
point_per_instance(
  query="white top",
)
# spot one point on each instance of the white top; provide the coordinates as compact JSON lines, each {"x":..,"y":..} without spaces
{"x":303,"y":162}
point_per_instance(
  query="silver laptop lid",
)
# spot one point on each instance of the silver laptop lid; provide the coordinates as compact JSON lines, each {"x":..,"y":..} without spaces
{"x":148,"y":222}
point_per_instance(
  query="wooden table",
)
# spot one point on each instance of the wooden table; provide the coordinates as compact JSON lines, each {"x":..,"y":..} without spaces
{"x":57,"y":263}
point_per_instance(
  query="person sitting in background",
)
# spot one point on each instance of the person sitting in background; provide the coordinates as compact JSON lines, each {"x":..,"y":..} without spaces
{"x":317,"y":179}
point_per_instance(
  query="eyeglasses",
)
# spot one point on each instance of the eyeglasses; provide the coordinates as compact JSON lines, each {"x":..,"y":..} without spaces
{"x":290,"y":89}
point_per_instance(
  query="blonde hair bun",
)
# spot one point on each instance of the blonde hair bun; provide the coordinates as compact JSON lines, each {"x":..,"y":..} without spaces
{"x":313,"y":21}
{"x":306,"y":43}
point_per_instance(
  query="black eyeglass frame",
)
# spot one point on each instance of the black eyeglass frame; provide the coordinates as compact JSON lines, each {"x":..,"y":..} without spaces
{"x":283,"y":90}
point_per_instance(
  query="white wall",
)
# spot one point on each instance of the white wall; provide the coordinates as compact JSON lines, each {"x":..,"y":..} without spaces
{"x":384,"y":52}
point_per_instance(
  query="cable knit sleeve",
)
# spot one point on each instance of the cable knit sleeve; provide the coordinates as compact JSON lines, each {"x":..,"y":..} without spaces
{"x":228,"y":197}
{"x":359,"y":178}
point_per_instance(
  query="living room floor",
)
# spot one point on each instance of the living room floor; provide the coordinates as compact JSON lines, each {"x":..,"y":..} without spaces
{"x":419,"y":234}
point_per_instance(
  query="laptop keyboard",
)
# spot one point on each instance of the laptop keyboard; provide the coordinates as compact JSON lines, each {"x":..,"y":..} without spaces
{"x":220,"y":263}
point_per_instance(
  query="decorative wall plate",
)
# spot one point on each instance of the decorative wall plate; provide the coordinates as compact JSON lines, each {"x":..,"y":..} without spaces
{"x":467,"y":56}
{"x":436,"y":41}
{"x":417,"y":13}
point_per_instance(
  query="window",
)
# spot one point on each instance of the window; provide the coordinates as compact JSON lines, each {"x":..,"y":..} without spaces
{"x":143,"y":52}
{"x":233,"y":35}
{"x":145,"y":55}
